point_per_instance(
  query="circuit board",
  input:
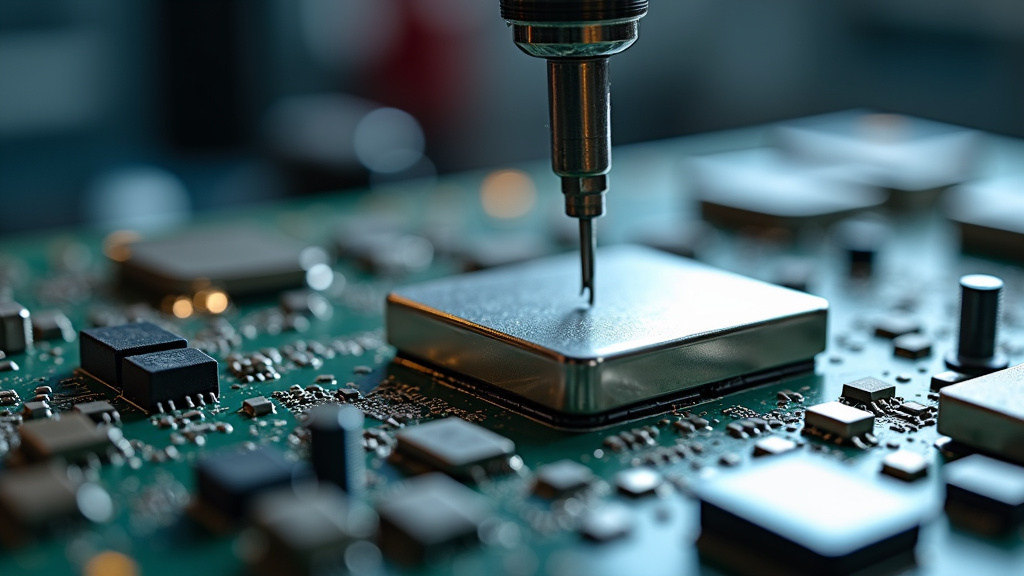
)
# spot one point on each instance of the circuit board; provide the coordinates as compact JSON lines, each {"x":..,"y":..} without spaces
{"x":164,"y":494}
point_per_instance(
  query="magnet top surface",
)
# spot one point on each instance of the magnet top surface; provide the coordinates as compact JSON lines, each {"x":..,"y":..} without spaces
{"x":987,"y":412}
{"x":645,"y":299}
{"x":661,"y":325}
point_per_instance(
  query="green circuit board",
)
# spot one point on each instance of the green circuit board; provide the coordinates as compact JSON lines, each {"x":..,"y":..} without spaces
{"x":337,"y":351}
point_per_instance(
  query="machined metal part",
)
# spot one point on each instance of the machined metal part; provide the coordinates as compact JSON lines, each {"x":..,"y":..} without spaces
{"x":588,"y":247}
{"x":666,"y":327}
{"x":987,"y":413}
{"x":577,"y":37}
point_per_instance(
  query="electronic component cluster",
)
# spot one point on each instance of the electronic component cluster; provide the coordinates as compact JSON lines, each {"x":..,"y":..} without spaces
{"x":319,"y":388}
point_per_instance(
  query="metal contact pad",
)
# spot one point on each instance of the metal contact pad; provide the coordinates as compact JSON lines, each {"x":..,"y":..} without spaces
{"x":661,"y":324}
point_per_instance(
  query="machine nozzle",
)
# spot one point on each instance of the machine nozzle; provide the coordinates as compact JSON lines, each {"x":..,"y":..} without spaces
{"x":576,"y":37}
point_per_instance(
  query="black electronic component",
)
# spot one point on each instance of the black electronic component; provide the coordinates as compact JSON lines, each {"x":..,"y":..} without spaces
{"x":986,"y":413}
{"x":943,"y":379}
{"x":913,"y":408}
{"x":639,"y":481}
{"x":896,"y":325}
{"x":169,"y":378}
{"x":976,"y":351}
{"x":258,"y":406}
{"x":913,"y":346}
{"x":561,"y":478}
{"x":9,"y":398}
{"x":607,"y":523}
{"x":348,"y":394}
{"x":308,"y":532}
{"x":228,"y":482}
{"x":428,"y":515}
{"x":336,"y":435}
{"x":103,"y":349}
{"x":15,"y":328}
{"x":839,"y":419}
{"x":35,"y":499}
{"x":52,"y":325}
{"x":36,"y":410}
{"x":454,"y":446}
{"x":735,"y":429}
{"x":100,"y":412}
{"x":868,"y":390}
{"x":985,"y":495}
{"x":773,"y":446}
{"x":861,"y":238}
{"x":905,"y":465}
{"x":74,"y":437}
{"x":239,"y":260}
{"x":839,"y":524}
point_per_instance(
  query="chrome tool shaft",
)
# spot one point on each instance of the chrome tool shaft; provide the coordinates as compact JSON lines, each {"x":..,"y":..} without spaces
{"x":577,"y":37}
{"x":588,"y":245}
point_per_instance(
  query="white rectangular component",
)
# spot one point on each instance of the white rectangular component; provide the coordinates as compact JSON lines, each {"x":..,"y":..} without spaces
{"x":661,"y":324}
{"x":987,"y":413}
{"x":839,"y":419}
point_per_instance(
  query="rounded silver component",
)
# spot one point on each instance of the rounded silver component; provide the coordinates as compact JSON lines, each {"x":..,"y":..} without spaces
{"x":581,"y":135}
{"x":584,"y":197}
{"x":581,"y":40}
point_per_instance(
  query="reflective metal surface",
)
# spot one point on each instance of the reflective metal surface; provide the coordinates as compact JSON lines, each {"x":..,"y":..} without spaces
{"x":575,"y":40}
{"x":664,"y":324}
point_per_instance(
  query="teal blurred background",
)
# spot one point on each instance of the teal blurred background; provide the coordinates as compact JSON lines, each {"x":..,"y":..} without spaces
{"x":183,"y":106}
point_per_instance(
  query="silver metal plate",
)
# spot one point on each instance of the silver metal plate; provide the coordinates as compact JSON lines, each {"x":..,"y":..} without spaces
{"x":987,"y":412}
{"x":661,"y":325}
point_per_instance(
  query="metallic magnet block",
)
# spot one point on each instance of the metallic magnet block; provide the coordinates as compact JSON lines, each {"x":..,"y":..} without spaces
{"x":987,"y":413}
{"x":663,"y":328}
{"x":839,"y":419}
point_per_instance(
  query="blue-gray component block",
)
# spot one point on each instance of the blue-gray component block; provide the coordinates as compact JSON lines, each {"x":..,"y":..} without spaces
{"x":168,"y":376}
{"x":840,"y":523}
{"x":336,"y":446}
{"x":228,"y":483}
{"x":15,"y":328}
{"x":985,"y":495}
{"x":103,"y":349}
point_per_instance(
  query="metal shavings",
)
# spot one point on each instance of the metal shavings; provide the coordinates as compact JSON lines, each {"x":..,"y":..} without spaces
{"x":740,"y":412}
{"x":392,"y":402}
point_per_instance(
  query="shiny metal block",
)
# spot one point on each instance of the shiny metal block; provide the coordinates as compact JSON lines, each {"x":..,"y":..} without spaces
{"x":663,"y":329}
{"x":987,"y":413}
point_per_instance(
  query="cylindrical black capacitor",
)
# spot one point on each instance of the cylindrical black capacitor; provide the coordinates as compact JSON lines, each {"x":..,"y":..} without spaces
{"x":336,"y":435}
{"x":979,"y":317}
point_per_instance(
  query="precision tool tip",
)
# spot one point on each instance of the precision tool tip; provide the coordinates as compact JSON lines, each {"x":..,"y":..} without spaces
{"x":588,"y":245}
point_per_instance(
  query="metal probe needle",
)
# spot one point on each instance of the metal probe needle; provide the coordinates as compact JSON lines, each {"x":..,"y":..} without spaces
{"x":588,"y":245}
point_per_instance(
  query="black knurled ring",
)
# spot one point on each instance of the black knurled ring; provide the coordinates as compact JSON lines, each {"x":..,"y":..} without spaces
{"x":571,"y":10}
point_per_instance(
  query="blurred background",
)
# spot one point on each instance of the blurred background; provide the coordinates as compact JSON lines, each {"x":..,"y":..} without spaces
{"x":184,"y":106}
